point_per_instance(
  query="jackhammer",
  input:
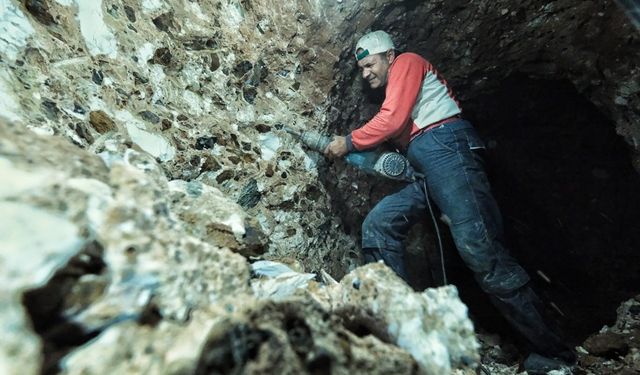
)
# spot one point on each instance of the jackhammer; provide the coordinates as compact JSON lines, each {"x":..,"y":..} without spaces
{"x":387,"y":164}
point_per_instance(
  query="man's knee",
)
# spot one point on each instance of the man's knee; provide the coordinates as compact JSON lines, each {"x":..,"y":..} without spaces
{"x":475,"y":246}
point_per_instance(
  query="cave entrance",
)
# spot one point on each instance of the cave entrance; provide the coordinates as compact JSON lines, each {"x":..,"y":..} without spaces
{"x":569,"y":197}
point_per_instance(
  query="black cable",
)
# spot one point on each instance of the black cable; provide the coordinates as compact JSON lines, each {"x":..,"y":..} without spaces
{"x":435,"y":224}
{"x":444,"y":272}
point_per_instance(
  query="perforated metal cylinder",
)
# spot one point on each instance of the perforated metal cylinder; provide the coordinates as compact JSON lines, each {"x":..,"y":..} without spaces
{"x":393,"y":164}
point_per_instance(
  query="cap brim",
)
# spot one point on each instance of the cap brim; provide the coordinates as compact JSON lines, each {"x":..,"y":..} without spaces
{"x":362,"y":55}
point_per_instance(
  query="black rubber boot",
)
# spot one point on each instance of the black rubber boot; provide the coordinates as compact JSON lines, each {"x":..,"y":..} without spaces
{"x":522,"y":308}
{"x":536,"y":364}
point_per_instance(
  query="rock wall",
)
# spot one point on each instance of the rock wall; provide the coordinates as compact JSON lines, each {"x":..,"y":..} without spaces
{"x":109,"y":266}
{"x":100,"y":253}
{"x":145,"y":163}
{"x":205,"y":88}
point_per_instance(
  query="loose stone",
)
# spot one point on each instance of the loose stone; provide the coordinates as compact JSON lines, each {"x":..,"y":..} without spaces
{"x":101,"y":122}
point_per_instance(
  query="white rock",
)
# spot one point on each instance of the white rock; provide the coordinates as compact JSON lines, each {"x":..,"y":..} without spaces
{"x":34,"y":244}
{"x":152,"y":143}
{"x":97,"y":35}
{"x":269,"y":145}
{"x":9,"y":106}
{"x":14,"y":28}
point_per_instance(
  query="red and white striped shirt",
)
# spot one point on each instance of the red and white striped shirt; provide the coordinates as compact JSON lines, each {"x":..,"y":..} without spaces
{"x":416,"y":97}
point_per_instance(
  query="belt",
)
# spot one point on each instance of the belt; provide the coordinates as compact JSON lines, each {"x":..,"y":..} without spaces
{"x":434,"y":125}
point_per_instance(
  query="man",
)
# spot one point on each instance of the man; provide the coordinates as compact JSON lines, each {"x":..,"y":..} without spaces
{"x":421,"y":117}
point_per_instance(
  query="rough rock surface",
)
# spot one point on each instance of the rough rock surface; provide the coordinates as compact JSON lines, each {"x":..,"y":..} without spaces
{"x":112,"y":244}
{"x":132,"y":280}
{"x":615,"y":349}
{"x":431,"y":325}
{"x":184,"y":102}
{"x":205,"y":88}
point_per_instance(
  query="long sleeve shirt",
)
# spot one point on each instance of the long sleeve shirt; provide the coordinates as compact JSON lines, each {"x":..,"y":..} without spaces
{"x":415,"y":98}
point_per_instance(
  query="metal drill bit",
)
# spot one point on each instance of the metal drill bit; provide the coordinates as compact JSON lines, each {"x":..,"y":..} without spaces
{"x":291,"y":131}
{"x":314,"y":141}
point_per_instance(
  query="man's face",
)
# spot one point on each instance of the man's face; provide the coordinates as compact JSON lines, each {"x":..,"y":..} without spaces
{"x":375,"y":69}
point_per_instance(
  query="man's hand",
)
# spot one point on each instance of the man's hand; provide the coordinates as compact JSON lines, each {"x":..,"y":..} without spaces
{"x":337,"y":148}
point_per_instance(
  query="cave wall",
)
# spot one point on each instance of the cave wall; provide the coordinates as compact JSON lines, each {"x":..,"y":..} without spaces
{"x":150,"y":135}
{"x":147,"y":136}
{"x":204,"y":87}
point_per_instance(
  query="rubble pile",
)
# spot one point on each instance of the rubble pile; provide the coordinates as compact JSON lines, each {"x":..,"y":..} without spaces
{"x":109,"y":266}
{"x":615,"y":349}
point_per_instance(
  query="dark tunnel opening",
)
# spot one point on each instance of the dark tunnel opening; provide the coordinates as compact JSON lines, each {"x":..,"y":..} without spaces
{"x":568,"y":194}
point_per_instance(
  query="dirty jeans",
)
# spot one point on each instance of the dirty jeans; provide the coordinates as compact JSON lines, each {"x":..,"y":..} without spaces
{"x":455,"y":179}
{"x":458,"y":185}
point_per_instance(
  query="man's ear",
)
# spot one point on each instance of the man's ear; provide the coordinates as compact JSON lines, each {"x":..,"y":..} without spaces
{"x":391,"y":55}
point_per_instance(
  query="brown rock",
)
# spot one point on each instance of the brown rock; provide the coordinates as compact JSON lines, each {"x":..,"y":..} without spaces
{"x":162,"y":56}
{"x":165,"y":22}
{"x":101,"y":122}
{"x":210,"y":164}
{"x":224,"y":176}
{"x":589,"y":360}
{"x":254,"y":242}
{"x":633,"y":339}
{"x":263,"y":128}
{"x":40,"y":10}
{"x":166,"y":124}
{"x":608,"y":344}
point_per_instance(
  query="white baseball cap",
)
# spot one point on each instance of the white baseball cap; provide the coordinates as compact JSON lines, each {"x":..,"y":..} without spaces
{"x":372,"y":43}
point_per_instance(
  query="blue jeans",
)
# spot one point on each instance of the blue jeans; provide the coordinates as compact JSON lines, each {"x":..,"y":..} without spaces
{"x":458,"y":185}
